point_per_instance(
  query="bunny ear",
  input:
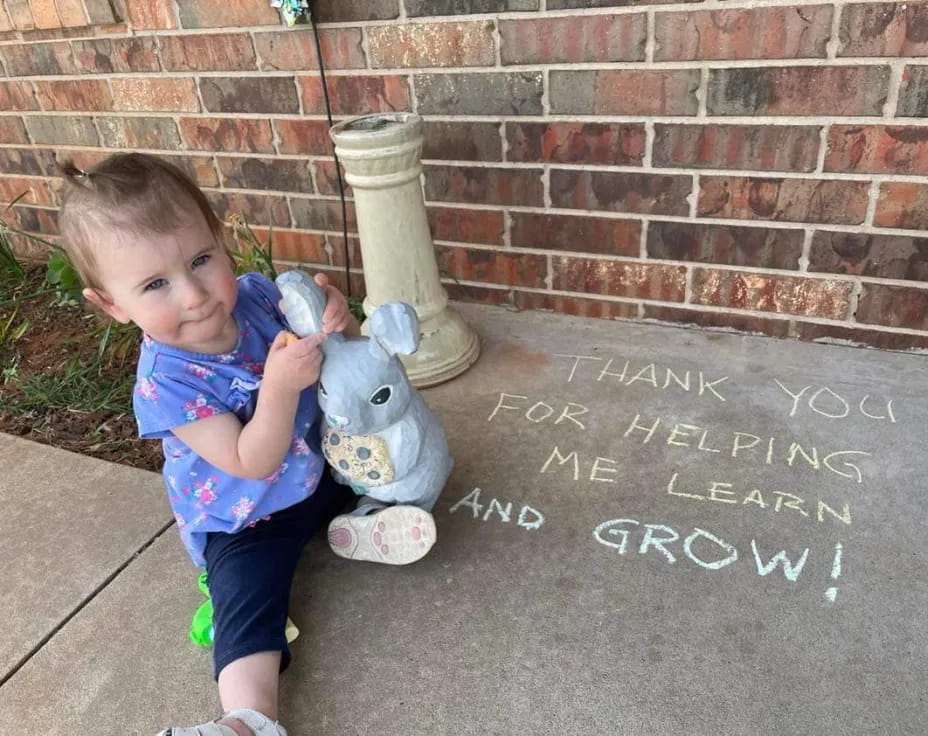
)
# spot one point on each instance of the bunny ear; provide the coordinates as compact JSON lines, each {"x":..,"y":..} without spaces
{"x":303,"y":302}
{"x":394,"y":328}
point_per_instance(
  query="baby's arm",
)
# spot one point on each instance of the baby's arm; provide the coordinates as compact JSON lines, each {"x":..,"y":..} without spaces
{"x":256,"y":449}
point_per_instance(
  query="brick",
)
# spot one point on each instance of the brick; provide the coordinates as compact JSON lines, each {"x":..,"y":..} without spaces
{"x":605,"y":235}
{"x":299,"y":247}
{"x":484,"y":185}
{"x":17,"y":96}
{"x":226,"y":13}
{"x":463,"y":7}
{"x":477,"y":294}
{"x":657,"y":194}
{"x":462,"y":141}
{"x":348,"y":10}
{"x":303,"y":136}
{"x":45,"y":14}
{"x":893,"y":306}
{"x":356,"y":94}
{"x":250,"y":94}
{"x":12,"y":130}
{"x":493,"y":266}
{"x":903,"y":205}
{"x":38,"y":59}
{"x":838,"y":90}
{"x":577,"y":306}
{"x":817,"y":332}
{"x":155,"y":94}
{"x":758,"y":147}
{"x":71,"y":12}
{"x":756,"y":247}
{"x":109,"y":55}
{"x":80,"y":94}
{"x":22,"y":161}
{"x":788,"y":200}
{"x":913,"y":94}
{"x":34,"y":219}
{"x":296,"y":49}
{"x":118,"y":132}
{"x":281,"y":175}
{"x":512,"y":93}
{"x":865,"y":254}
{"x":576,"y":143}
{"x":877,"y":149}
{"x":257,"y":209}
{"x":201,"y":169}
{"x":617,"y":278}
{"x":571,"y":4}
{"x":884,"y":29}
{"x":725,"y":320}
{"x":765,"y":293}
{"x":575,"y":39}
{"x":321,"y":214}
{"x":227,"y":134}
{"x":797,"y":32}
{"x":59,"y":130}
{"x":33,"y":191}
{"x":102,"y":12}
{"x":336,"y":247}
{"x":151,"y":14}
{"x":431,"y":44}
{"x":625,"y":92}
{"x":327,"y":181}
{"x":466,"y":226}
{"x":208,"y":52}
{"x":20,"y":14}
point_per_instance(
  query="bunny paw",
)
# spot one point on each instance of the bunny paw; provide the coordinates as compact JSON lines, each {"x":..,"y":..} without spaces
{"x":396,"y":535}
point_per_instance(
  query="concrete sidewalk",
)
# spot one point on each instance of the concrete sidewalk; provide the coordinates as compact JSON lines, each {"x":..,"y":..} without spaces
{"x":648,"y":530}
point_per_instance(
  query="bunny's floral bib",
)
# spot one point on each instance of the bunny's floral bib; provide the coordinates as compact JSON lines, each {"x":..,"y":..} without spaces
{"x":362,"y":458}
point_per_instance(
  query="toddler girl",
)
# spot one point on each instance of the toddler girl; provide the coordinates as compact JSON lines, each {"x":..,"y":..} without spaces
{"x":232,"y":399}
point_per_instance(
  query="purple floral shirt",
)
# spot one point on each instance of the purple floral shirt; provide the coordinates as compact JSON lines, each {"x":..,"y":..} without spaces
{"x":174,"y":387}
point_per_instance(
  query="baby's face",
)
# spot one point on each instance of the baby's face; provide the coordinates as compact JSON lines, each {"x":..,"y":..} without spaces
{"x":178,"y":287}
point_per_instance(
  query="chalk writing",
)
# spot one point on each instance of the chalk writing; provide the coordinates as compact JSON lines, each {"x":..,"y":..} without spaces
{"x":829,"y":404}
{"x":529,"y":518}
{"x":617,"y":372}
{"x":832,"y":592}
{"x":659,"y":536}
{"x":539,"y":411}
{"x":719,"y":493}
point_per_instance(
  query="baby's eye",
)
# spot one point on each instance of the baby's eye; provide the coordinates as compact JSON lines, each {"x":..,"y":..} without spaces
{"x":156,"y":284}
{"x":381,"y":395}
{"x":200,"y":260}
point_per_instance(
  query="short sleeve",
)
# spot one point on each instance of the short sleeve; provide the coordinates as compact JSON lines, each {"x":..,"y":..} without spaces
{"x":162,"y":402}
{"x":262,"y":292}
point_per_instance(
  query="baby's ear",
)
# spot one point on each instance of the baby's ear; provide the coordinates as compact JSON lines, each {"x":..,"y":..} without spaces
{"x":394,"y":328}
{"x":102,"y":301}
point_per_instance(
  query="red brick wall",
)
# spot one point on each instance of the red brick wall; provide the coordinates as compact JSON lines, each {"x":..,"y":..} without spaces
{"x":756,"y":165}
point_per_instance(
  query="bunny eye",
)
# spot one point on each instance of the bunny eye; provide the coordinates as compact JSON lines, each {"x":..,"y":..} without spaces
{"x":381,"y":395}
{"x":322,"y":390}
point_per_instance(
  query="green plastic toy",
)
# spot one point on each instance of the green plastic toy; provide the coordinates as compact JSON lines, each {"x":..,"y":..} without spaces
{"x":201,"y":627}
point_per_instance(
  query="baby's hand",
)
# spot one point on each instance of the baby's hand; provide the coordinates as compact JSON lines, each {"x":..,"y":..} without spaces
{"x":293,"y":366}
{"x":336,"y":317}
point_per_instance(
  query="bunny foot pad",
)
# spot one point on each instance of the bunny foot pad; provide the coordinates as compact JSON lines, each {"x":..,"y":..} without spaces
{"x":396,"y":535}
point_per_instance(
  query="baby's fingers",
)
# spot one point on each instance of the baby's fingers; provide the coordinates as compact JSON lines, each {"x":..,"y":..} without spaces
{"x":307,"y":345}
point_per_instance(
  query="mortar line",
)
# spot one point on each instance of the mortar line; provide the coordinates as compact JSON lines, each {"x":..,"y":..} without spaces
{"x":834,"y":40}
{"x":822,"y":150}
{"x":83,"y":604}
{"x":897,"y":69}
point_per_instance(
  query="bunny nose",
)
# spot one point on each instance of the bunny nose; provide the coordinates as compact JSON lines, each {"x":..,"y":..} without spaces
{"x":336,"y":421}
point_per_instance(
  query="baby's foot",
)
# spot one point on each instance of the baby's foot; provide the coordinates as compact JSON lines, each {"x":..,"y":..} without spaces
{"x":396,"y":535}
{"x":241,"y":722}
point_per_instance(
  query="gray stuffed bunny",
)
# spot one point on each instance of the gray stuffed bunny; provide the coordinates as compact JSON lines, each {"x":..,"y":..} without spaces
{"x":380,"y":437}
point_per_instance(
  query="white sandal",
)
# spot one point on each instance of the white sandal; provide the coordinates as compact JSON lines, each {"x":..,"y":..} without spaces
{"x":396,"y":535}
{"x":259,"y":724}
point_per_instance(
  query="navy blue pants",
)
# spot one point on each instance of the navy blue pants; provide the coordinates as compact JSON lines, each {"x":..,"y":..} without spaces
{"x":250,"y":573}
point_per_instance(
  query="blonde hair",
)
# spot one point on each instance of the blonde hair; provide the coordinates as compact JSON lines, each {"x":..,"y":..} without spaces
{"x":127,"y":192}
